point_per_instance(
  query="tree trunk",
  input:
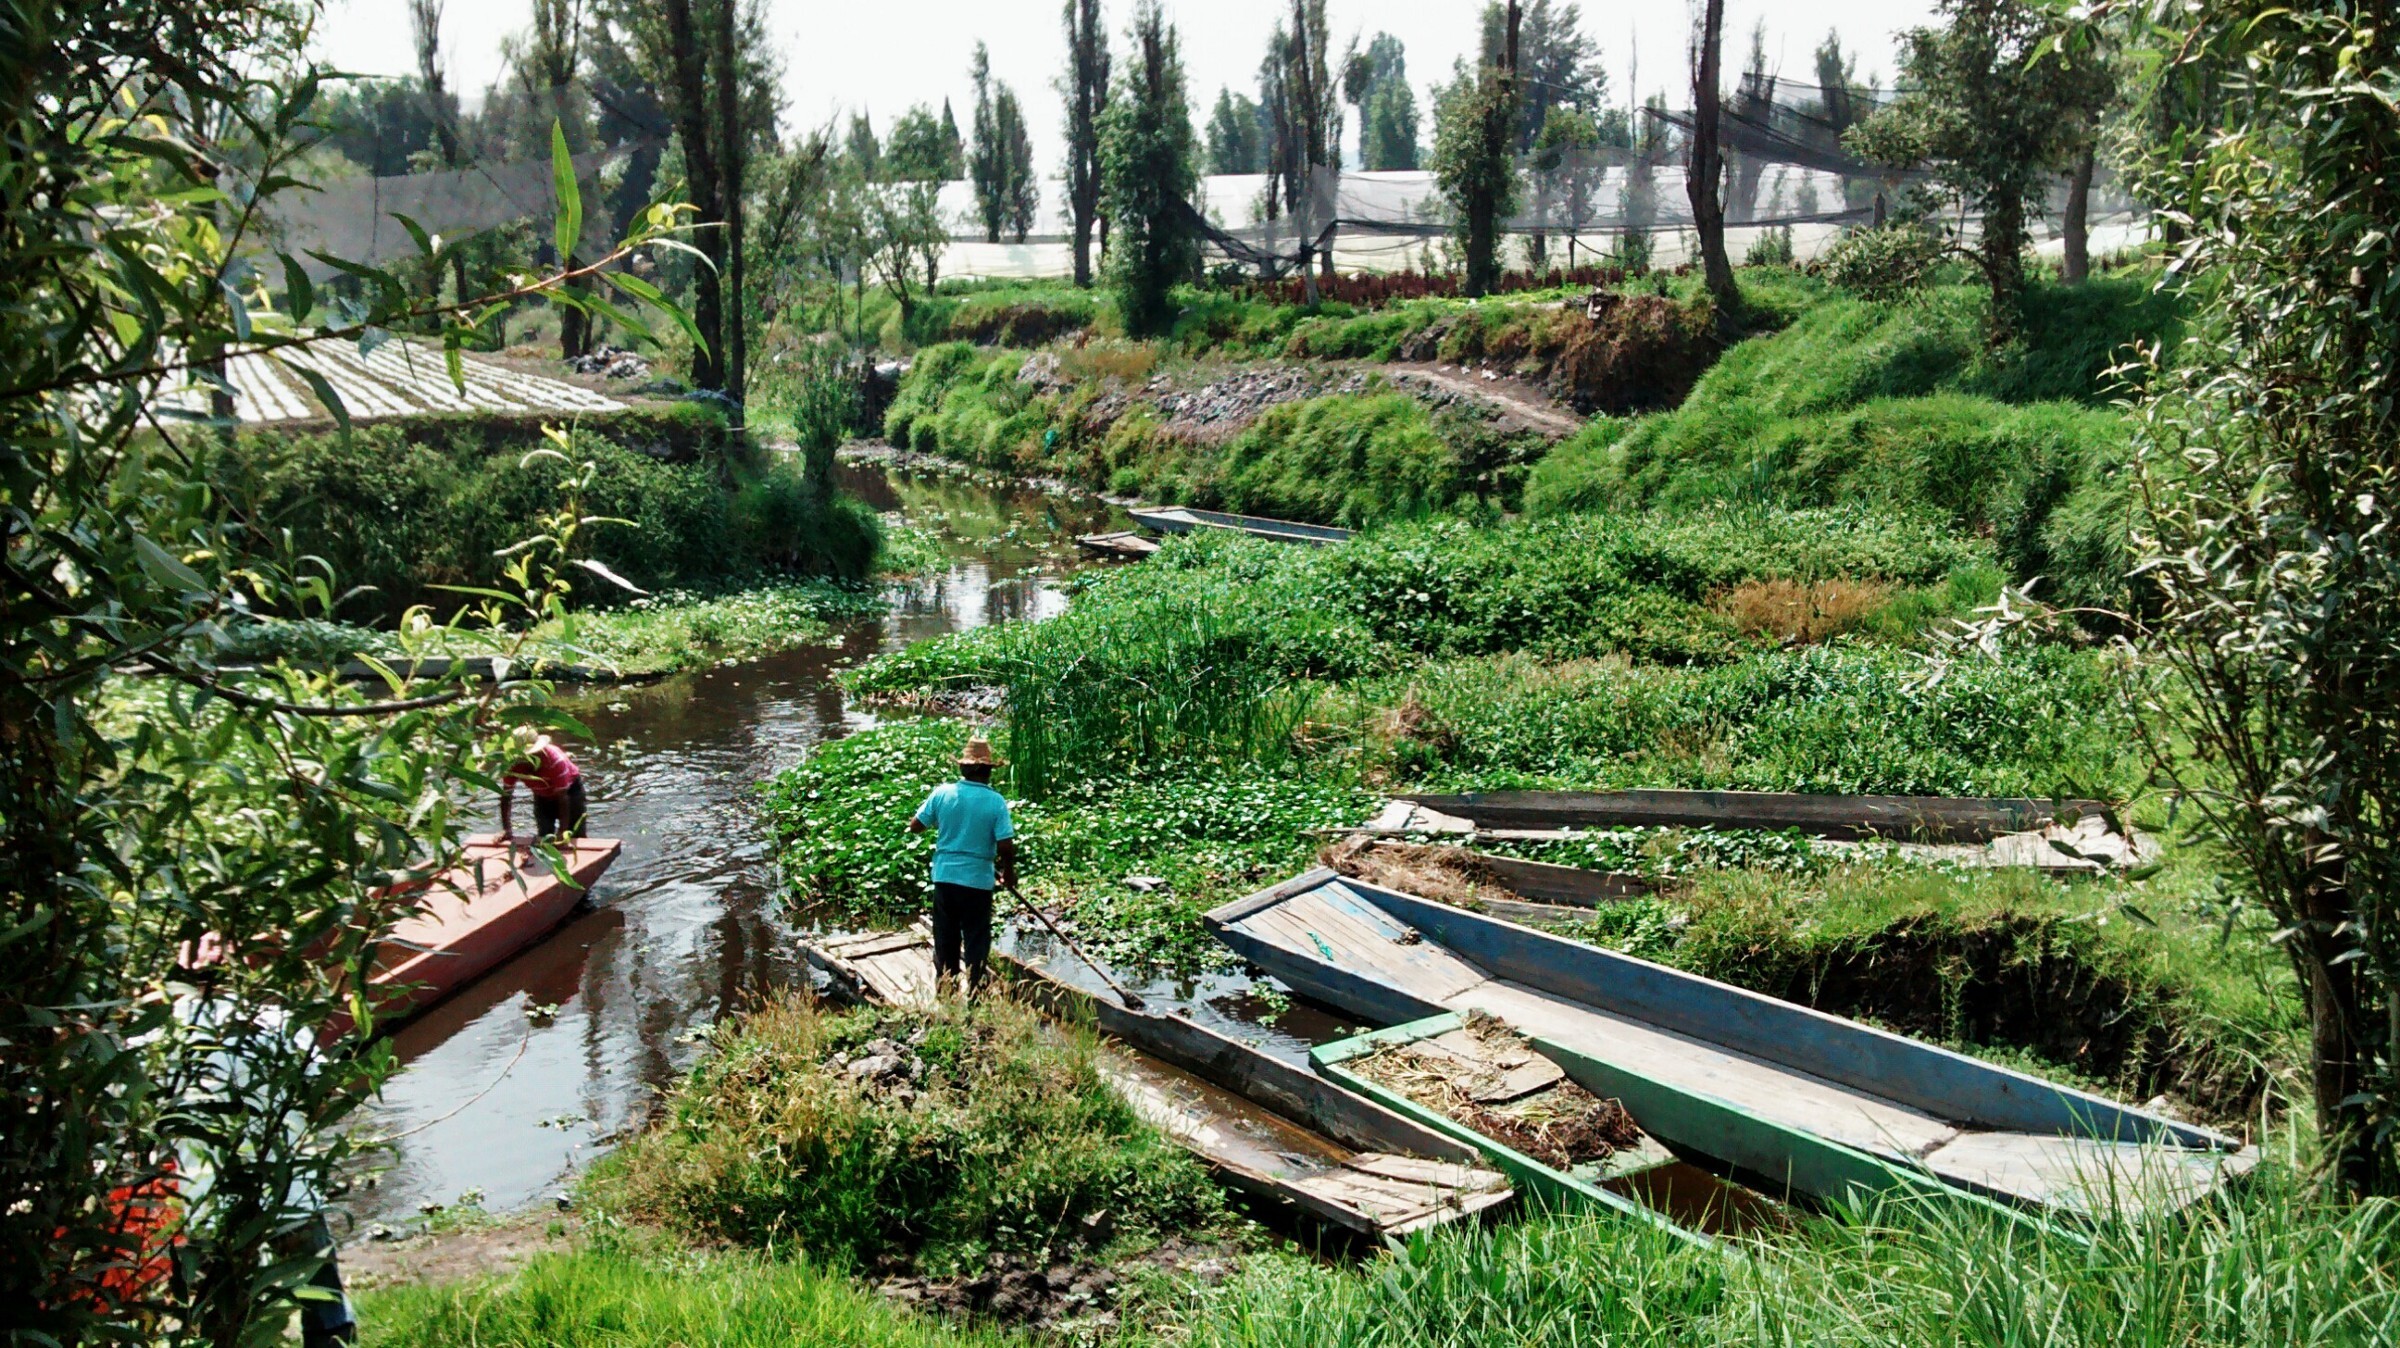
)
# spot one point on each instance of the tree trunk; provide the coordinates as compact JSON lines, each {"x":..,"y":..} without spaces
{"x":2077,"y":221}
{"x":1704,"y":181}
{"x":2003,"y":261}
{"x":690,"y":99}
{"x":2344,"y":1035}
{"x":732,"y":158}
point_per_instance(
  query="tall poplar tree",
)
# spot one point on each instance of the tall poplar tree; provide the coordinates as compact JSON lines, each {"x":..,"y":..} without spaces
{"x":1147,"y":176}
{"x":1085,"y":87}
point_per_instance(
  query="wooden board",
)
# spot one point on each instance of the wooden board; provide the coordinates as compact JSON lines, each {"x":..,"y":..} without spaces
{"x":1554,"y":1187}
{"x":894,"y":968}
{"x":1920,"y":818}
{"x":1819,"y":1102}
{"x":1124,"y":543}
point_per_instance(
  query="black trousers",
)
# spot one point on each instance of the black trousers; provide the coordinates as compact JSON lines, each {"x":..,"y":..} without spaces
{"x":962,"y":926}
{"x":564,"y":812}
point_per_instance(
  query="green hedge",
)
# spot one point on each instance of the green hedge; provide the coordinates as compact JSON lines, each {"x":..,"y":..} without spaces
{"x":405,"y":507}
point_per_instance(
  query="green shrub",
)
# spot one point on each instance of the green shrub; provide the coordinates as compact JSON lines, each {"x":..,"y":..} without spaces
{"x":1008,"y":1140}
{"x":403,"y":508}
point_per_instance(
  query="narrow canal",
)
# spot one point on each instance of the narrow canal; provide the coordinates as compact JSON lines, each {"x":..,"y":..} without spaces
{"x":508,"y":1087}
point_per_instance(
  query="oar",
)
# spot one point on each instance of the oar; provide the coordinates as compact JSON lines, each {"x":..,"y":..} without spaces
{"x":1130,"y":1001}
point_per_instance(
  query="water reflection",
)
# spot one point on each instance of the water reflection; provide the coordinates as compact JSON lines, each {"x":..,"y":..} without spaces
{"x":509,"y":1086}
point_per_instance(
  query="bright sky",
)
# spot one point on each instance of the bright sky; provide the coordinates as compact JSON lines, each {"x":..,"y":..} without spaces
{"x":884,"y":55}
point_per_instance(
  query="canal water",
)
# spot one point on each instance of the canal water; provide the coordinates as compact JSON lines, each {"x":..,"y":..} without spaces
{"x":510,"y":1086}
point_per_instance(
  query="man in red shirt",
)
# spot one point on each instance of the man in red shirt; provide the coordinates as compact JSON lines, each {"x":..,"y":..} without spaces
{"x":555,"y":784}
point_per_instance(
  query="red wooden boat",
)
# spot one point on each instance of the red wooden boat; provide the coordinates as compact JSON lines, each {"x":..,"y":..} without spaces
{"x":473,"y":917}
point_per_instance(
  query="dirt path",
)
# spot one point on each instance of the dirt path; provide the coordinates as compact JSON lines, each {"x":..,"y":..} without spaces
{"x":468,"y":1252}
{"x":1519,"y":402}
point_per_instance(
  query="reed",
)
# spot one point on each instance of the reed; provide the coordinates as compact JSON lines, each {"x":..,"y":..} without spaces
{"x":1137,"y":690}
{"x":2270,"y":1264}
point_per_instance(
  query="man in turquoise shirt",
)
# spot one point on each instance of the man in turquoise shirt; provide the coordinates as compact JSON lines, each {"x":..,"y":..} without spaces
{"x":974,"y":852}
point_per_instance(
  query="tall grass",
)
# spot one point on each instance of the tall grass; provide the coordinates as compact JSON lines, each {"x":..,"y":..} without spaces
{"x":2267,"y":1265}
{"x":1128,"y":695}
{"x":679,"y":1299}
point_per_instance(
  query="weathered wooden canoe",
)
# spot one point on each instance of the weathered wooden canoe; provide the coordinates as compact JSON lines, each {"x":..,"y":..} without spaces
{"x":472,"y":918}
{"x":1260,"y":1125}
{"x":1184,"y":519}
{"x":1125,"y":544}
{"x":1807,"y":1102}
{"x":1301,"y":1139}
{"x":1904,"y":818}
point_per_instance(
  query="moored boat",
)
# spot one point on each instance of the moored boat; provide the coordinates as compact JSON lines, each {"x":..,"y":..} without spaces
{"x":1802,"y":1101}
{"x":1184,"y":519}
{"x":471,"y":918}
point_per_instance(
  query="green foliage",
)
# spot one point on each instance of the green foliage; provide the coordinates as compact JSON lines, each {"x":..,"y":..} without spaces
{"x":1549,"y":1282}
{"x":2167,"y":1002}
{"x":278,"y":807}
{"x":1890,"y":263}
{"x":1340,"y":460}
{"x":1573,"y":587}
{"x":1475,"y":128}
{"x":2267,"y":463}
{"x":632,"y":1297}
{"x":1214,"y":829}
{"x":1009,"y":1140}
{"x":1896,"y":405}
{"x":1148,"y":174}
{"x":404,"y":508}
{"x":1236,"y":135}
{"x":2039,"y":723}
{"x":1994,"y":108}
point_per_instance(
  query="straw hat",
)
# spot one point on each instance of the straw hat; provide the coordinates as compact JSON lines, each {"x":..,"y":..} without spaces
{"x":978,"y":753}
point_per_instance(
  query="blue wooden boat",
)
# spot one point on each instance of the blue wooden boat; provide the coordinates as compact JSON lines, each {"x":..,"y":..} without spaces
{"x":1797,"y":1100}
{"x":1184,"y":519}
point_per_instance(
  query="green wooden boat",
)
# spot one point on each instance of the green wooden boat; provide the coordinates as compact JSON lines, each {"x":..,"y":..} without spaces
{"x":1801,"y":1101}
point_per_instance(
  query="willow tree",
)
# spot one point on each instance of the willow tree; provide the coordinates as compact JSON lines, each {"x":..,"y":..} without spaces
{"x":2270,"y":472}
{"x":1992,"y":112}
{"x":169,"y":1123}
{"x":1474,"y":157}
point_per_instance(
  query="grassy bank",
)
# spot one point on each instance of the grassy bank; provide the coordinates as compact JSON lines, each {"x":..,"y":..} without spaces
{"x":2269,"y":1266}
{"x":654,"y":1298}
{"x":1899,"y":405}
{"x":652,"y":635}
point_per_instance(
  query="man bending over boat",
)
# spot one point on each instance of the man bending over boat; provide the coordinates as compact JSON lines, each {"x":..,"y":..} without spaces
{"x":974,"y":852}
{"x":555,"y":784}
